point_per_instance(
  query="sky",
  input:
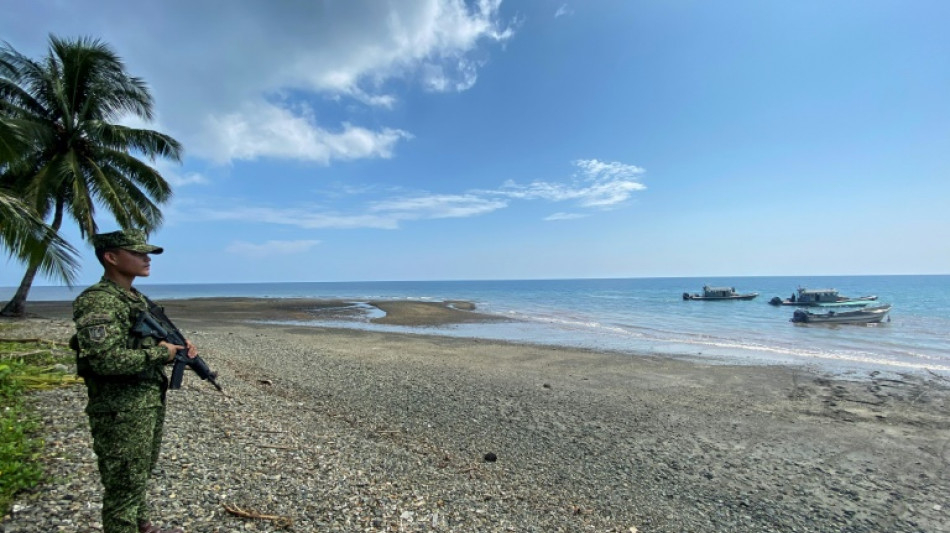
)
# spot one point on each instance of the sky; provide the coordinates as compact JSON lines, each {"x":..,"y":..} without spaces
{"x":364,"y":140}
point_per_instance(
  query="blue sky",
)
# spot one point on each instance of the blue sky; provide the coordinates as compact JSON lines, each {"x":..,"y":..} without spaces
{"x":440,"y":139}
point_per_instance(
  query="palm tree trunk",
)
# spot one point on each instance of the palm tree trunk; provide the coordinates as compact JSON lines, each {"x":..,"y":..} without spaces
{"x":16,"y":307}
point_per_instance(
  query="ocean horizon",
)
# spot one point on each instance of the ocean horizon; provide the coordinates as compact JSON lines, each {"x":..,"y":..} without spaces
{"x":647,"y":315}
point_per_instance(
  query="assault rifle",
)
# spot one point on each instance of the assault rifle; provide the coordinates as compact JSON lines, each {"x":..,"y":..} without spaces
{"x":154,"y":323}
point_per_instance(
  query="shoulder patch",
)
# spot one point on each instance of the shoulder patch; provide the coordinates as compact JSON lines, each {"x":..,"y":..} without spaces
{"x":94,"y":319}
{"x":96,"y":333}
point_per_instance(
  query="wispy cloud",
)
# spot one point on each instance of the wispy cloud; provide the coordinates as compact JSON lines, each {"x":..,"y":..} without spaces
{"x":564,"y":216}
{"x":437,"y":206}
{"x":270,"y":248}
{"x":593,"y":169}
{"x":301,"y":217}
{"x":385,"y":214}
{"x":172,"y":174}
{"x":563,"y":11}
{"x":597,"y":185}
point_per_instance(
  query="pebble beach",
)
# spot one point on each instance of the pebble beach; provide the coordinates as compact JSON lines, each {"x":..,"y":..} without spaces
{"x":343,"y":430}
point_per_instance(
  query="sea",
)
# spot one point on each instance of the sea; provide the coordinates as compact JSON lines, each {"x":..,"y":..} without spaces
{"x":636,"y":316}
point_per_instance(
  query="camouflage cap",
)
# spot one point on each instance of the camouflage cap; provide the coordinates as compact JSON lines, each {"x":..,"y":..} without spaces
{"x":127,"y":239}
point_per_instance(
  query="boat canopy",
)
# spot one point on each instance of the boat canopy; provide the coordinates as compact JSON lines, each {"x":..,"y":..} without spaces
{"x":718,"y":291}
{"x":817,"y":295}
{"x":822,"y":291}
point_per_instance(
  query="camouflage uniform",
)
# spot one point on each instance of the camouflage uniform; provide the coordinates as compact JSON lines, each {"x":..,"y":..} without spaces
{"x":126,"y":384}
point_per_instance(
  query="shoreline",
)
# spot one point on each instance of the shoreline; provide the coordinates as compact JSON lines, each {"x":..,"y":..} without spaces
{"x":462,"y":319}
{"x":401,"y":317}
{"x":350,"y":430}
{"x":403,"y":313}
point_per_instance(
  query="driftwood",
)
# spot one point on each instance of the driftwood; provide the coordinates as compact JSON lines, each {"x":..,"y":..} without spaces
{"x":281,"y":521}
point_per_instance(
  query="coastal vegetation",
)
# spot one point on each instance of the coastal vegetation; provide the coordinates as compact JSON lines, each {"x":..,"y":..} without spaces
{"x":63,"y":152}
{"x":25,"y":365}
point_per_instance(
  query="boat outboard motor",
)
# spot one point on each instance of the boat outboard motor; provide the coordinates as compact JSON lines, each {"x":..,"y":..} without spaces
{"x":686,"y":296}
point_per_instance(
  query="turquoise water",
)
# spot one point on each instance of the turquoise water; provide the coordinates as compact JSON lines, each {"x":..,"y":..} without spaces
{"x":649,"y":315}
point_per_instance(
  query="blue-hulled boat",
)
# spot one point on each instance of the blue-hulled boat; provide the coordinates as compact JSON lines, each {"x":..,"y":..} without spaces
{"x":817,"y":297}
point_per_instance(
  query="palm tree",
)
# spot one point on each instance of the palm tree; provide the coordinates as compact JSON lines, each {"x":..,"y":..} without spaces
{"x":66,"y":107}
{"x":25,"y":235}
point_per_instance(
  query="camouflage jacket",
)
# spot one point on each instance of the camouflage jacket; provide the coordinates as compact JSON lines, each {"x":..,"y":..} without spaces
{"x":122,"y":371}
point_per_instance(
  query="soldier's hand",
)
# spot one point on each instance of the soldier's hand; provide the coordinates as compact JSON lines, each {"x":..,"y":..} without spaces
{"x":172,"y":350}
{"x":192,"y":349}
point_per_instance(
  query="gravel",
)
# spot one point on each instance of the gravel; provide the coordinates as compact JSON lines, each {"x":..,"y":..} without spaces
{"x":336,"y":430}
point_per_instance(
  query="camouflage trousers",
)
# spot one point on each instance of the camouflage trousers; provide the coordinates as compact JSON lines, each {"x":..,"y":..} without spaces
{"x":127,"y":444}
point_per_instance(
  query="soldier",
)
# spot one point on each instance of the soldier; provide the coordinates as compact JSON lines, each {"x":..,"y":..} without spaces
{"x":125,"y":380}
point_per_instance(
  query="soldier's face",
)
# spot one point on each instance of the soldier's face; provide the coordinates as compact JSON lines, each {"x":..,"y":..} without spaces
{"x":132,"y":264}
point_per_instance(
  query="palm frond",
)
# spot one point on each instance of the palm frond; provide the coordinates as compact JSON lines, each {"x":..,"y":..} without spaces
{"x":29,"y":240}
{"x":140,"y":208}
{"x":82,"y":208}
{"x":139,"y":173}
{"x":151,"y":143}
{"x":11,"y":142}
{"x":109,"y":192}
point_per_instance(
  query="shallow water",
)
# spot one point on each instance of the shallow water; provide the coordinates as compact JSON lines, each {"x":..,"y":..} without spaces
{"x":649,"y":315}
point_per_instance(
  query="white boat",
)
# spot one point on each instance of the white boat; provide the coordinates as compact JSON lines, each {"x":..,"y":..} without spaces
{"x":719,"y":293}
{"x":868,"y":315}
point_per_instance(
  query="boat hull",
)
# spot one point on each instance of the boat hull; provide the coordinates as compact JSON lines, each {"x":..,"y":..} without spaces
{"x":845,"y":302}
{"x":862,"y":316}
{"x":736,"y":297}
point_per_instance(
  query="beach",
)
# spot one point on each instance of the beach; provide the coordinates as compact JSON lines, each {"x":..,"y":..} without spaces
{"x":331,"y":429}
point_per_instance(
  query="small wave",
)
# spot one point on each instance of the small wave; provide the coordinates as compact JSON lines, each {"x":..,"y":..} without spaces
{"x":796,"y":353}
{"x":574,"y":323}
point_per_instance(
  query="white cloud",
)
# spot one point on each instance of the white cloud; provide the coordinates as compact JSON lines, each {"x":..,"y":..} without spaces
{"x":265,"y":130}
{"x":366,"y":42}
{"x":270,"y":248}
{"x":594,"y":169}
{"x":609,"y":193}
{"x":217,"y":73}
{"x":564,"y":216}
